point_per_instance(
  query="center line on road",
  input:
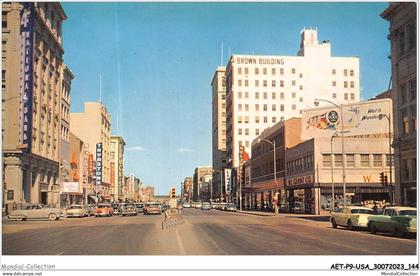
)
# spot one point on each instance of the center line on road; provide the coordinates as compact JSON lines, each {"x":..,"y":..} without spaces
{"x":179,"y":242}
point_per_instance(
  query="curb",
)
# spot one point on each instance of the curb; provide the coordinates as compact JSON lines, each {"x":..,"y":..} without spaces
{"x":256,"y":214}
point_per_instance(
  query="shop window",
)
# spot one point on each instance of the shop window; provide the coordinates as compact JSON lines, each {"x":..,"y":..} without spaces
{"x":338,"y":160}
{"x":10,"y":195}
{"x":350,"y":160}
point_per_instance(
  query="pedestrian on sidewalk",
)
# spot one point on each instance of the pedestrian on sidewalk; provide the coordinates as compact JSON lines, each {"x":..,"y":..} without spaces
{"x":14,"y":207}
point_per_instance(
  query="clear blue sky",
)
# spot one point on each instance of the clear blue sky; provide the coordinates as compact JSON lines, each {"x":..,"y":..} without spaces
{"x":167,"y":55}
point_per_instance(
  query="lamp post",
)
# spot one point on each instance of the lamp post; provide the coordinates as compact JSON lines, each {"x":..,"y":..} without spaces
{"x":391,"y":194}
{"x":342,"y":143}
{"x":332,"y":172}
{"x":276,"y":208}
{"x":221,"y":183}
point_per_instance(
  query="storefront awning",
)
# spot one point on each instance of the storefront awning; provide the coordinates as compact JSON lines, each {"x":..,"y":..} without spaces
{"x":94,"y":197}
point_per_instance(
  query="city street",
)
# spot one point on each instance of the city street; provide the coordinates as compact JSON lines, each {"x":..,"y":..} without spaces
{"x":197,"y":232}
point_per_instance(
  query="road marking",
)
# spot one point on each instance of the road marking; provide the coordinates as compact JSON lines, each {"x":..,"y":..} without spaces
{"x":179,"y":242}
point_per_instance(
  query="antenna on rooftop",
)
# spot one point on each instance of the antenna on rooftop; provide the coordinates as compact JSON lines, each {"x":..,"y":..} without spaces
{"x":221,"y":56}
{"x":100,"y":88}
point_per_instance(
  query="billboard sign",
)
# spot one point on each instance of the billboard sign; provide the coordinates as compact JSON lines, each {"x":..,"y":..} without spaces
{"x":70,"y":187}
{"x":228,"y":184}
{"x":362,"y":119}
{"x":27,"y":23}
{"x":99,"y":166}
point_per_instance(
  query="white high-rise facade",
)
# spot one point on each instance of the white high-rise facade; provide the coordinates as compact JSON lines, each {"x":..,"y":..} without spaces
{"x":263,"y":90}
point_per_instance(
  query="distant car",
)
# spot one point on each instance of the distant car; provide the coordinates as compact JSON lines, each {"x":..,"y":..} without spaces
{"x":351,"y":217}
{"x":139,"y":207}
{"x":231,"y":207}
{"x":179,"y":206}
{"x":35,"y":211}
{"x":152,"y":208}
{"x":198,"y":205}
{"x":90,"y":210}
{"x":128,"y":209}
{"x":214,"y":205}
{"x":103,"y":210}
{"x":186,"y":205}
{"x":206,"y":206}
{"x":76,"y":211}
{"x":399,"y":220}
{"x":221,"y":206}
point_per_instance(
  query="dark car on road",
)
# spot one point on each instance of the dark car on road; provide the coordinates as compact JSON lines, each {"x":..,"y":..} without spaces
{"x":139,"y":207}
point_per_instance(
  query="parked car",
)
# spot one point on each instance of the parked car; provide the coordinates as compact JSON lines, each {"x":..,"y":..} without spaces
{"x":76,"y":211}
{"x":36,"y":211}
{"x":198,"y":205}
{"x":152,"y":208}
{"x":128,"y":209}
{"x":206,"y":206}
{"x":139,"y":207}
{"x":179,"y":206}
{"x":90,"y":210}
{"x":222,"y":206}
{"x":230,"y":207}
{"x":186,"y":205}
{"x":351,"y":217}
{"x":103,"y":210}
{"x":399,"y":220}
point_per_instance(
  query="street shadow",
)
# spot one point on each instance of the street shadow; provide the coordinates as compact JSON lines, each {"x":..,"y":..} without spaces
{"x":313,"y":218}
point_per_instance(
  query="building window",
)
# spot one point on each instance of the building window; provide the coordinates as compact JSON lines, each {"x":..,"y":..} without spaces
{"x":338,"y":160}
{"x":265,"y":83}
{"x":257,"y":95}
{"x":352,"y":84}
{"x":246,"y":120}
{"x":257,"y":131}
{"x":282,"y":107}
{"x":246,"y":95}
{"x":273,"y":83}
{"x":293,"y":82}
{"x":411,"y":36}
{"x":300,"y":75}
{"x":351,"y":73}
{"x":364,"y":160}
{"x":301,"y":99}
{"x":377,"y":160}
{"x":265,"y":95}
{"x":257,"y":72}
{"x":240,"y":107}
{"x":239,"y":119}
{"x":246,"y":131}
{"x":273,"y":95}
{"x":346,"y":96}
{"x":273,"y":107}
{"x":293,"y":70}
{"x":264,"y":71}
{"x":345,"y":72}
{"x":388,"y":160}
{"x":257,"y":119}
{"x":334,"y":95}
{"x":346,"y":85}
{"x":246,"y":71}
{"x":352,"y":96}
{"x":405,"y":169}
{"x":257,"y":107}
{"x":281,"y":71}
{"x":401,"y":44}
{"x":326,"y":160}
{"x":239,"y":71}
{"x":273,"y":71}
{"x":293,"y":107}
{"x":281,"y":83}
{"x":246,"y":107}
{"x":404,"y":121}
{"x":10,"y":195}
{"x":413,"y":119}
{"x":413,"y":91}
{"x":265,"y":107}
{"x":239,"y":83}
{"x":4,"y":20}
{"x":257,"y":83}
{"x":239,"y":131}
{"x":265,"y":120}
{"x":281,"y":95}
{"x":300,"y":87}
{"x":350,"y":160}
{"x":293,"y":94}
{"x":273,"y":120}
{"x":240,"y":95}
{"x":333,"y":71}
{"x":246,"y":83}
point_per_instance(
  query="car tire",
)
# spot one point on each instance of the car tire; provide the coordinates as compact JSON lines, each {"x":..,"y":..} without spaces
{"x":350,"y":225}
{"x":52,"y":216}
{"x":333,"y":223}
{"x":372,"y":228}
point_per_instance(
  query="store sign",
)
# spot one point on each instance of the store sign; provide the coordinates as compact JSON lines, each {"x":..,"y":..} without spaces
{"x":85,"y":164}
{"x":363,"y":119}
{"x":70,"y":187}
{"x":99,"y":166}
{"x":90,"y":164}
{"x":27,"y":19}
{"x":261,"y":61}
{"x":228,"y":184}
{"x":112,"y":168}
{"x":300,"y":180}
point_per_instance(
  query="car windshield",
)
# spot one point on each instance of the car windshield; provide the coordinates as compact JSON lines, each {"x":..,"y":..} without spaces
{"x":362,"y":211}
{"x":139,"y":205}
{"x":231,"y":205}
{"x":75,"y":207}
{"x":408,"y":212}
{"x":153,"y":205}
{"x":129,"y":206}
{"x":103,"y":206}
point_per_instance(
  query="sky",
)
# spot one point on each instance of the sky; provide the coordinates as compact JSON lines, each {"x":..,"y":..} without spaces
{"x":156,"y":62}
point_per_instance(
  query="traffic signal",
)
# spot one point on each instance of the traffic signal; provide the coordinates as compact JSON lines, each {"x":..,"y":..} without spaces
{"x":383,"y":178}
{"x":173,"y":193}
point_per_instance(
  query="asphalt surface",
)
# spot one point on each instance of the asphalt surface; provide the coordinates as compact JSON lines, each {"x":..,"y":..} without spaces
{"x":195,"y":232}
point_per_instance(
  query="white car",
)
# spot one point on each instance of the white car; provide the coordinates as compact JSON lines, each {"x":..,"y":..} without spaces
{"x":186,"y":205}
{"x":351,"y":217}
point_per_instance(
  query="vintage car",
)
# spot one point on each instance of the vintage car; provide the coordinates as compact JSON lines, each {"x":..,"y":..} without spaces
{"x":35,"y":211}
{"x":128,"y":209}
{"x":152,"y":208}
{"x":230,"y":207}
{"x":351,"y":217}
{"x":139,"y":207}
{"x":206,"y":206}
{"x":186,"y":205}
{"x":103,"y":210}
{"x":90,"y":210}
{"x":76,"y":211}
{"x":398,"y":220}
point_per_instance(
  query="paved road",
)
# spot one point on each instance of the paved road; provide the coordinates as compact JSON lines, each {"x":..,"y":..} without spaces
{"x":197,"y":232}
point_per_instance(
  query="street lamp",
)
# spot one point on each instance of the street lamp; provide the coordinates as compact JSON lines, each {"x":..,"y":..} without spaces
{"x":316,"y":103}
{"x":276,"y":208}
{"x":221,"y":183}
{"x":332,"y":172}
{"x":391,"y":194}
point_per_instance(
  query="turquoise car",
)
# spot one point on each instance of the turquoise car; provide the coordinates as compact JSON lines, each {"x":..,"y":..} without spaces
{"x":399,"y":220}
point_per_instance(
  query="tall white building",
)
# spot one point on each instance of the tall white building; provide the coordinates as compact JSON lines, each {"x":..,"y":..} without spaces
{"x":263,"y":90}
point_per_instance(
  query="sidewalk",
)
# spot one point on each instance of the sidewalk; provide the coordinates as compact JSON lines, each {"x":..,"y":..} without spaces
{"x":324,"y":217}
